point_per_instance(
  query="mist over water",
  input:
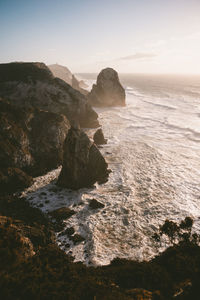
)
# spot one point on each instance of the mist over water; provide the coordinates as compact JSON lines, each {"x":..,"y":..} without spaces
{"x":154,"y":152}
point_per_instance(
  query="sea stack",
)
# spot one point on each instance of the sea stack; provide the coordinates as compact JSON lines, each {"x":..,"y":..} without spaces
{"x":108,"y":90}
{"x":99,"y":137}
{"x":83,"y":163}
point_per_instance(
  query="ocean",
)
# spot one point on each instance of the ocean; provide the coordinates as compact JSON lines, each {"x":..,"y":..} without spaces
{"x":153,"y":151}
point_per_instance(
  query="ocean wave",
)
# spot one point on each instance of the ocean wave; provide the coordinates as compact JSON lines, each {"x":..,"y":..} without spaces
{"x":166,"y":106}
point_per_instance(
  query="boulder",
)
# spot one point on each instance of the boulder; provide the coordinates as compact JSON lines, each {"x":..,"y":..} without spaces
{"x":33,"y":85}
{"x":108,"y":90}
{"x":62,"y":213}
{"x":30,"y":139}
{"x":99,"y":137}
{"x":83,"y":163}
{"x":94,"y":204}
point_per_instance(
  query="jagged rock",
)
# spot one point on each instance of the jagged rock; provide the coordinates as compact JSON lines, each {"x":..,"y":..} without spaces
{"x":48,"y":132}
{"x":33,"y":85}
{"x":69,"y":231}
{"x":30,"y":139}
{"x":99,"y":137}
{"x":108,"y":90}
{"x":77,"y":238}
{"x":13,"y":179}
{"x":62,"y":213}
{"x":94,"y":204}
{"x":83,"y":164}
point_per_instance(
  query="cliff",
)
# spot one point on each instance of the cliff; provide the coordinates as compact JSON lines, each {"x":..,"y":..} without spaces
{"x":32,"y":85}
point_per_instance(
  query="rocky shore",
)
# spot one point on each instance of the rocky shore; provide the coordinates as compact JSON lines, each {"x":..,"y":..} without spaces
{"x":40,"y":120}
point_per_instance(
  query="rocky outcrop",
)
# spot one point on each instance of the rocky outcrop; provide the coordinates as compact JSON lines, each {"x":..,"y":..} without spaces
{"x":94,"y":204}
{"x":30,"y":139}
{"x":65,"y":74}
{"x":61,"y":72}
{"x":83,"y":164}
{"x":14,"y":179}
{"x":32,"y":85}
{"x":99,"y":137}
{"x":108,"y":90}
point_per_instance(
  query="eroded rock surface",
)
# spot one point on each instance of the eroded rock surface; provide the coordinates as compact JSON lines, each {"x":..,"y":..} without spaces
{"x":83,"y":164}
{"x":108,"y":90}
{"x":33,"y":85}
{"x":30,"y":139}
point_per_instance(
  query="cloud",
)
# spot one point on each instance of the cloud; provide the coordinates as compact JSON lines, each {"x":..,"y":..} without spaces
{"x":138,"y":56}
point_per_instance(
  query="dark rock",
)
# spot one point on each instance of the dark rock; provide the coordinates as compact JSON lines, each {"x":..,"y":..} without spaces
{"x":13,"y":179}
{"x":30,"y":139}
{"x":33,"y":85}
{"x":83,"y":164}
{"x":77,"y":238}
{"x":47,"y":135}
{"x":99,"y":137}
{"x":62,"y":213}
{"x":69,"y":231}
{"x":108,"y":90}
{"x":94,"y":204}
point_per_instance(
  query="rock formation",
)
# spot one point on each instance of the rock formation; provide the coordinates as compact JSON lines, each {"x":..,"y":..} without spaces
{"x":99,"y":137}
{"x":33,"y":85}
{"x":65,"y":74}
{"x":61,"y":72}
{"x":83,"y":164}
{"x":108,"y":90}
{"x":13,"y":179}
{"x":30,"y":139}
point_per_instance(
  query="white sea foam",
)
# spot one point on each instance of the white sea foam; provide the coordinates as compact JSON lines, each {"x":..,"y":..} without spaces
{"x":154,"y":154}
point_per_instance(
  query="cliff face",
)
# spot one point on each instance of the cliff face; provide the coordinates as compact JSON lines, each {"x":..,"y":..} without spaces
{"x":30,"y":139}
{"x":65,"y":74}
{"x":61,"y":72}
{"x":108,"y":90}
{"x":32,"y":85}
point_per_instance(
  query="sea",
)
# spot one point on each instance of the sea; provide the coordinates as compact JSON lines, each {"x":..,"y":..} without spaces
{"x":153,"y":150}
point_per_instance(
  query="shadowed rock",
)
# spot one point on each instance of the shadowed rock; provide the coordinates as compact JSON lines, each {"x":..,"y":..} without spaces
{"x":13,"y":179}
{"x":108,"y":90}
{"x":30,"y":139}
{"x":33,"y":85}
{"x":83,"y":164}
{"x":99,"y":137}
{"x":94,"y":204}
{"x":62,"y":213}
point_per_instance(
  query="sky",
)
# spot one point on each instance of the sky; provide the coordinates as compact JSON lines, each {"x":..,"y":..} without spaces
{"x":132,"y":36}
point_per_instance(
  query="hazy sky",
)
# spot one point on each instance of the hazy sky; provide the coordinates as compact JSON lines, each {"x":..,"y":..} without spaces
{"x":154,"y":36}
